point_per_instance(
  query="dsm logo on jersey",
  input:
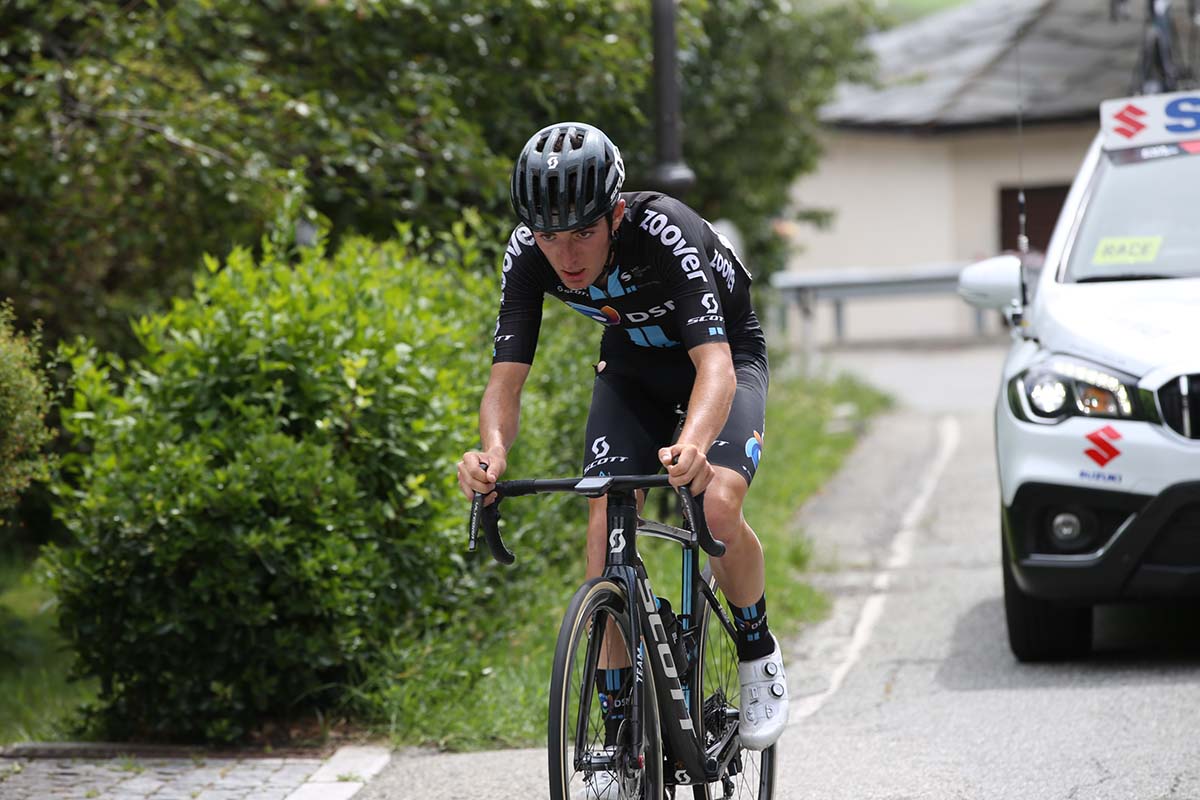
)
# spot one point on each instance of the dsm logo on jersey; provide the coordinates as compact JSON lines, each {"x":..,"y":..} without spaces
{"x":605,"y":315}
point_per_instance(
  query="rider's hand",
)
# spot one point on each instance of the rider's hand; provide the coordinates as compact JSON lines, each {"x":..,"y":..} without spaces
{"x":686,"y":464}
{"x":472,"y":477}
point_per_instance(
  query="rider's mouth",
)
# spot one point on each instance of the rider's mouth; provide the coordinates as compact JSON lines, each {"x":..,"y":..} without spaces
{"x":572,"y":276}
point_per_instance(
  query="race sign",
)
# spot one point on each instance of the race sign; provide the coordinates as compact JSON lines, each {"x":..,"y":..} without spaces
{"x":1150,"y":119}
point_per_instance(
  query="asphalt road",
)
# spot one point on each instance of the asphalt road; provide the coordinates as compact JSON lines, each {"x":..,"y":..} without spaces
{"x":909,"y":690}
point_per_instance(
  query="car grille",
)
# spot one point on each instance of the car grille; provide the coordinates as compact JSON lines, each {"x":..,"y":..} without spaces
{"x":1180,"y":403}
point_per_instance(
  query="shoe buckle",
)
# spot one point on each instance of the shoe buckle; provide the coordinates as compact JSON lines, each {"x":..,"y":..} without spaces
{"x":777,"y":690}
{"x":771,"y":668}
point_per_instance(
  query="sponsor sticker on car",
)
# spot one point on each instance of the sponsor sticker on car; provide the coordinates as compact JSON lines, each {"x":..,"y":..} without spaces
{"x":1137,"y":122}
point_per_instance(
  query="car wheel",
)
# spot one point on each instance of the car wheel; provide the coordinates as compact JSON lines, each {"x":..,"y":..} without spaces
{"x":1042,"y":630}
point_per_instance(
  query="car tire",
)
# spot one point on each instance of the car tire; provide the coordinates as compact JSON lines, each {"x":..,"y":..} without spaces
{"x":1042,"y":630}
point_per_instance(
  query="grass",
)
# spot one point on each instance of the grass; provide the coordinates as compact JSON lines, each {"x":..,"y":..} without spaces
{"x":37,"y":701}
{"x":902,"y":11}
{"x":463,"y":693}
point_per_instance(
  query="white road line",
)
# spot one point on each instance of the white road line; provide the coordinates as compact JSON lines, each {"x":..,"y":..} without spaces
{"x":901,"y":555}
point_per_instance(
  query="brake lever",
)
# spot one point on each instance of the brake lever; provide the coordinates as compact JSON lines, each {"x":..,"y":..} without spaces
{"x":489,"y":518}
{"x":693,"y":512}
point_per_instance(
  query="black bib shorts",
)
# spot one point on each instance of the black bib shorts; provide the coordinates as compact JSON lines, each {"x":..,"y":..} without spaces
{"x":637,"y":406}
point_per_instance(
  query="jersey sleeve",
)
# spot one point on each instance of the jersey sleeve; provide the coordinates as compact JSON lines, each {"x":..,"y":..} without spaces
{"x":520,"y":317}
{"x":677,"y":241}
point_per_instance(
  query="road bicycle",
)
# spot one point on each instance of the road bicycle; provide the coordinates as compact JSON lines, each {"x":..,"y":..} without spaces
{"x":1165,"y":64}
{"x":664,"y":731}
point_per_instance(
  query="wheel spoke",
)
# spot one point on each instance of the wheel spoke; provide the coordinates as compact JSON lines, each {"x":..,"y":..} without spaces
{"x":749,"y":774}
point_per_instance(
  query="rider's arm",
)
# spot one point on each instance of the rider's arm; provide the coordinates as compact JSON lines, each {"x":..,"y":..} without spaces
{"x":515,"y":342}
{"x":712,"y":395}
{"x":677,"y":239}
{"x":500,"y":411}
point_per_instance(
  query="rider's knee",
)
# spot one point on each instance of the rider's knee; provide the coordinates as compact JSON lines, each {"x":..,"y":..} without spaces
{"x":723,"y":509}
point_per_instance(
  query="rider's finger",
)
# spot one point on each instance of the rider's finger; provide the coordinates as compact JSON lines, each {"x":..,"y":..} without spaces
{"x":686,"y":462}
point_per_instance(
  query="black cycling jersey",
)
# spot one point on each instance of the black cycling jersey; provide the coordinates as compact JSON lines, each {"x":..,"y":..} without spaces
{"x":672,"y":283}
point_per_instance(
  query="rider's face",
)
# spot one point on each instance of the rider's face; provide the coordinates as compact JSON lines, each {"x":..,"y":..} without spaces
{"x":578,"y":256}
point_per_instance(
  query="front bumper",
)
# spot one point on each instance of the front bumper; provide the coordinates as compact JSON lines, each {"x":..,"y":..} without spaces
{"x":1142,"y":547}
{"x":1135,"y":484}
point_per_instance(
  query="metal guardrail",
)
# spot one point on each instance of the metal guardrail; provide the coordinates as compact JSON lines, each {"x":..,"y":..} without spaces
{"x":805,"y":289}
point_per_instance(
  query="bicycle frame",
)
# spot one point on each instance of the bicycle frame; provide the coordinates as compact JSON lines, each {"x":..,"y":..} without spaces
{"x":682,"y":705}
{"x":682,"y":702}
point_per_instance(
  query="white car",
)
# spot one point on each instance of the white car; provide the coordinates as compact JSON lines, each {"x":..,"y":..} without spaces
{"x":1098,"y":414}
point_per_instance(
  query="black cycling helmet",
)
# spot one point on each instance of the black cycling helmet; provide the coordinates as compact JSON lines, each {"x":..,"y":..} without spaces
{"x":568,"y":176}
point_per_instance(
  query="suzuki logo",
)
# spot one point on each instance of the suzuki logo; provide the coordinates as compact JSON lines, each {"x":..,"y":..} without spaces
{"x":1103,"y":452}
{"x":1131,"y":126}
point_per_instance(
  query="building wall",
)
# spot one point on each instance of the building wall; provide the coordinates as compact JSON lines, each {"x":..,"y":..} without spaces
{"x":985,"y":162}
{"x":903,"y":200}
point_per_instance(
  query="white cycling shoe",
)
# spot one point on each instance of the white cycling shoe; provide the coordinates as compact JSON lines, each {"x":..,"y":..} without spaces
{"x":599,"y":786}
{"x":764,"y":709}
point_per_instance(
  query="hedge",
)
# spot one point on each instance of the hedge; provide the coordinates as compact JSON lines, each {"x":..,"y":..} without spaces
{"x":266,"y":496}
{"x":24,"y":402}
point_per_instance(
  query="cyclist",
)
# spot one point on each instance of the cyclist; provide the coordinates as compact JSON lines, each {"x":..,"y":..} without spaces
{"x":680,"y":332}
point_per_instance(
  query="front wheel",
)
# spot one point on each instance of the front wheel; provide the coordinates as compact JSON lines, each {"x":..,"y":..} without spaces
{"x":1041,"y":630}
{"x":588,"y":762}
{"x":749,"y":774}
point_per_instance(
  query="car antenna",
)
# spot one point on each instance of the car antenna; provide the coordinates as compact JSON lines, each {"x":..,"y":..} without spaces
{"x":1022,"y":236}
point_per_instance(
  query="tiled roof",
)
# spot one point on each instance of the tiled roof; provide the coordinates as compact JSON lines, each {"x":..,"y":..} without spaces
{"x":959,"y":67}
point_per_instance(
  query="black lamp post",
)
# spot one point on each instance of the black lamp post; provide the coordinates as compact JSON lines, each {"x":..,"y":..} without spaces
{"x":670,"y":174}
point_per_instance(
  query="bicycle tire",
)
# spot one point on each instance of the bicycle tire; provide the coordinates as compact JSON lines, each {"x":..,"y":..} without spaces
{"x":717,"y":665}
{"x":573,"y":692}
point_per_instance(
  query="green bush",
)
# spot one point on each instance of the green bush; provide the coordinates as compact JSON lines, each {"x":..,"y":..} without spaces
{"x":24,"y":401}
{"x":267,"y":495}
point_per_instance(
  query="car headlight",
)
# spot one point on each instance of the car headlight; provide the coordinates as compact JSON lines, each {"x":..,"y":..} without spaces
{"x":1061,"y":387}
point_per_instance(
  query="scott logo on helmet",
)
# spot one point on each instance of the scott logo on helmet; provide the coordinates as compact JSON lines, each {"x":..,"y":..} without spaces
{"x":657,"y":224}
{"x":552,"y":162}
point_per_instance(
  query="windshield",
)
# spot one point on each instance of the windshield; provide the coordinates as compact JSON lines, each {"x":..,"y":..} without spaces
{"x":1143,"y":219}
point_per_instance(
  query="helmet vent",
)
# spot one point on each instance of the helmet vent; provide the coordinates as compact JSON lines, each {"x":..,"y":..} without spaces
{"x":537,"y":189}
{"x":572,"y":188}
{"x":551,"y":208}
{"x":589,"y":184}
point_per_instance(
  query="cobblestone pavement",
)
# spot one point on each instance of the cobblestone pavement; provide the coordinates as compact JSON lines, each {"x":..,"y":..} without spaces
{"x":194,"y":778}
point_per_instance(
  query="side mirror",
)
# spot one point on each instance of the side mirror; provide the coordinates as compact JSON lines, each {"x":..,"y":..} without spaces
{"x":994,"y":283}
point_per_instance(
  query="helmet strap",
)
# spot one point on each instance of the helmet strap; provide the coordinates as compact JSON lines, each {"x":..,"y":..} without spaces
{"x":612,"y":241}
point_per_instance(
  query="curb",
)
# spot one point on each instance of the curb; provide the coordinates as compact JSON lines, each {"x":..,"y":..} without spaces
{"x":343,"y":775}
{"x":338,"y":775}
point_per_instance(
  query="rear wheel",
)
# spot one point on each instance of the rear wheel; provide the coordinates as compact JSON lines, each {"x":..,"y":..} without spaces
{"x":596,"y":634}
{"x":749,"y":774}
{"x":1042,"y":630}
